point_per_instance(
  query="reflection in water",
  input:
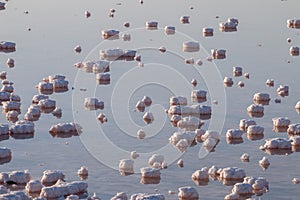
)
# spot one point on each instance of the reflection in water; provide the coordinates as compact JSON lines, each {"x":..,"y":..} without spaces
{"x":278,"y":151}
{"x":63,"y":134}
{"x":22,"y":136}
{"x":234,"y":140}
{"x":5,"y":160}
{"x":4,"y":137}
{"x":256,"y":115}
{"x":146,"y":180}
{"x":280,"y":129}
{"x":201,"y":182}
{"x":255,"y":136}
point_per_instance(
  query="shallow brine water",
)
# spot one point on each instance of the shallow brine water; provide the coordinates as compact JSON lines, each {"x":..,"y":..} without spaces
{"x":45,"y":38}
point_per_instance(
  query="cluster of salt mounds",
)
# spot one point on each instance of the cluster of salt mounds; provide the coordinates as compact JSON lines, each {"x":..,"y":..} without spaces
{"x":280,"y":146}
{"x":62,"y":189}
{"x":190,"y":110}
{"x":65,"y":129}
{"x":51,"y":177}
{"x":169,"y":30}
{"x":16,"y":177}
{"x":156,"y":161}
{"x":232,"y":174}
{"x":182,"y":140}
{"x":293,"y":23}
{"x":50,"y":84}
{"x":229,"y":26}
{"x":143,"y":103}
{"x":245,"y":123}
{"x":218,"y":53}
{"x":99,"y":66}
{"x":110,"y":34}
{"x":126,"y":167}
{"x":190,"y":46}
{"x":255,"y":132}
{"x":151,"y":25}
{"x":189,"y":123}
{"x":91,"y":103}
{"x":210,"y":139}
{"x":207,"y":32}
{"x":261,"y":98}
{"x":21,"y":128}
{"x":178,"y":100}
{"x":117,"y":54}
{"x":187,"y":193}
{"x":198,"y":96}
{"x":7,"y":46}
{"x":34,"y":186}
{"x":18,"y":195}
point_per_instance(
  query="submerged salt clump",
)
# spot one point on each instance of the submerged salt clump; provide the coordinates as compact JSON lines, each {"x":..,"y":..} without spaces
{"x":255,"y":130}
{"x":190,"y":110}
{"x":191,"y":46}
{"x":182,"y":140}
{"x":169,"y":30}
{"x":5,"y":152}
{"x":187,"y":193}
{"x":277,"y":143}
{"x":148,"y":172}
{"x":207,"y":32}
{"x":93,"y":104}
{"x":201,"y":174}
{"x":242,"y":189}
{"x":190,"y":123}
{"x":232,"y":173}
{"x":120,"y":196}
{"x":51,"y":177}
{"x":65,"y":128}
{"x":126,"y":166}
{"x":228,"y":82}
{"x":178,"y":100}
{"x":126,"y":37}
{"x":218,"y":53}
{"x":234,"y":134}
{"x":281,"y":122}
{"x":142,"y":196}
{"x":3,"y":75}
{"x":245,"y":123}
{"x":64,"y":189}
{"x":34,"y":186}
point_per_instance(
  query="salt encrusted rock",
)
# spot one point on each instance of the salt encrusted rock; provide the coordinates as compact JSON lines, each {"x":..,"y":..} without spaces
{"x":185,"y":19}
{"x":187,"y":193}
{"x":83,"y":171}
{"x":206,"y":31}
{"x":294,"y":51}
{"x":277,"y":143}
{"x":175,"y":119}
{"x":191,"y":46}
{"x":255,"y":108}
{"x":148,"y":117}
{"x":34,"y":186}
{"x":234,"y":134}
{"x":228,"y":26}
{"x":22,"y":127}
{"x":103,"y":78}
{"x":270,"y":83}
{"x":242,"y":189}
{"x":45,"y":87}
{"x":5,"y":152}
{"x":281,"y":122}
{"x":93,"y":104}
{"x":169,"y":30}
{"x":151,"y":24}
{"x":156,"y":158}
{"x":18,"y":177}
{"x":190,"y":123}
{"x":50,"y":176}
{"x":245,"y":157}
{"x":4,"y":129}
{"x":218,"y":53}
{"x":120,"y":196}
{"x":38,"y":97}
{"x":201,"y":174}
{"x":141,"y":134}
{"x":46,"y":104}
{"x":11,"y":105}
{"x":255,"y":130}
{"x":7,"y":45}
{"x":283,"y":90}
{"x":295,"y":140}
{"x":15,"y":195}
{"x":66,"y":128}
{"x":190,"y":110}
{"x":244,"y":123}
{"x":261,"y":97}
{"x":4,"y":96}
{"x":147,"y":100}
{"x":134,"y":155}
{"x":180,"y":138}
{"x":109,"y":33}
{"x":264,"y":162}
{"x":232,"y":173}
{"x":228,"y":81}
{"x":64,"y":189}
{"x":257,"y":184}
{"x":126,"y":166}
{"x":148,"y":172}
{"x":198,"y":94}
{"x":142,"y":196}
{"x":294,"y":129}
{"x":178,"y":100}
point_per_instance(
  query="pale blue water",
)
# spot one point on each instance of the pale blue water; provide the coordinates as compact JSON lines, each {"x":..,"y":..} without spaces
{"x":259,"y":46}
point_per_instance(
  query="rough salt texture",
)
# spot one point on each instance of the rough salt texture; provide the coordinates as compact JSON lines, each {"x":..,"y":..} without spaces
{"x":294,"y":129}
{"x":178,"y":100}
{"x":156,"y":158}
{"x":4,"y":129}
{"x":148,"y":172}
{"x":46,"y":103}
{"x":188,"y":193}
{"x":11,"y":105}
{"x":5,"y":152}
{"x":234,"y":133}
{"x":189,"y":123}
{"x":281,"y":121}
{"x":126,"y":165}
{"x":277,"y":143}
{"x":65,"y":128}
{"x":148,"y":117}
{"x":177,"y":136}
{"x":93,"y":103}
{"x":198,"y":94}
{"x":22,"y":127}
{"x":19,"y":177}
{"x":255,"y":130}
{"x":50,"y":176}
{"x":244,"y":123}
{"x":15,"y":195}
{"x":255,"y":108}
{"x":83,"y":171}
{"x":242,"y":189}
{"x":142,"y":196}
{"x":201,"y":174}
{"x":261,"y":97}
{"x":245,"y":157}
{"x":295,"y":140}
{"x":232,"y":173}
{"x":190,"y":110}
{"x":34,"y":186}
{"x":264,"y":162}
{"x":259,"y":183}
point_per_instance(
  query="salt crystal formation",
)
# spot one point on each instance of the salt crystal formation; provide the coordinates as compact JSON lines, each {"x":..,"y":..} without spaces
{"x":142,"y":196}
{"x":17,"y":177}
{"x":187,"y":193}
{"x":91,"y":103}
{"x":50,"y":177}
{"x":207,"y":32}
{"x":229,"y":26}
{"x":182,"y":140}
{"x":234,"y":134}
{"x":65,"y":128}
{"x":34,"y":186}
{"x":191,"y":46}
{"x":218,"y":53}
{"x":126,"y":166}
{"x":185,"y":19}
{"x":190,"y":110}
{"x":169,"y":30}
{"x":22,"y":127}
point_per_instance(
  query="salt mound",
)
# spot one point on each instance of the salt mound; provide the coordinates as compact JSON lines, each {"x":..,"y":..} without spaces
{"x":148,"y":172}
{"x":126,"y":166}
{"x":148,"y":117}
{"x":245,"y":123}
{"x":228,"y":26}
{"x":178,"y":100}
{"x":65,"y":128}
{"x":72,"y":197}
{"x":169,"y":30}
{"x":83,"y":171}
{"x":15,"y":195}
{"x":7,"y":45}
{"x":182,"y":140}
{"x":295,"y":140}
{"x":232,"y":173}
{"x":245,"y":157}
{"x":11,"y":105}
{"x":5,"y":152}
{"x":93,"y":104}
{"x":294,"y":129}
{"x":198,"y":95}
{"x":281,"y":122}
{"x":50,"y":176}
{"x":190,"y":123}
{"x":201,"y":174}
{"x":264,"y":162}
{"x":218,"y":53}
{"x":4,"y":96}
{"x":228,"y":81}
{"x":234,"y":134}
{"x":120,"y":196}
{"x":34,"y":186}
{"x":242,"y":189}
{"x":103,"y":78}
{"x":294,"y":51}
{"x":185,"y":19}
{"x":283,"y":90}
{"x":109,"y":33}
{"x":258,"y":97}
{"x":191,"y":46}
{"x":206,"y":31}
{"x":151,"y":24}
{"x":259,"y":183}
{"x":17,"y":177}
{"x":187,"y":193}
{"x":277,"y":143}
{"x":190,"y":110}
{"x":142,"y":196}
{"x":156,"y":159}
{"x":255,"y":108}
{"x":22,"y":127}
{"x":255,"y":130}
